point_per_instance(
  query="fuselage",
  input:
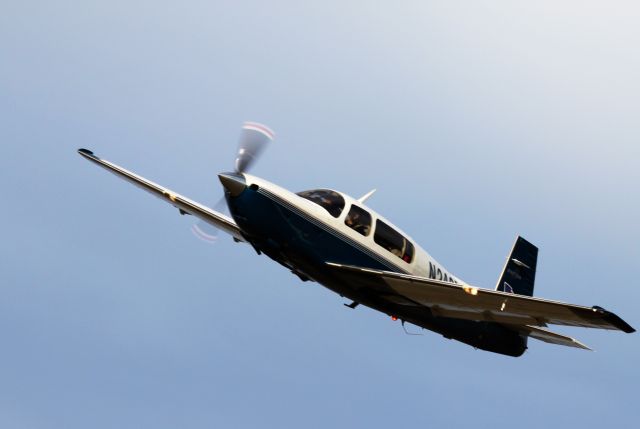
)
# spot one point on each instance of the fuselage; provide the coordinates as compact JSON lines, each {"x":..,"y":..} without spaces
{"x":304,"y":231}
{"x":363,"y":239}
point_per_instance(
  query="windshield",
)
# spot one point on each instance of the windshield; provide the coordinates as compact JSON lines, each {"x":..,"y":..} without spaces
{"x":331,"y":201}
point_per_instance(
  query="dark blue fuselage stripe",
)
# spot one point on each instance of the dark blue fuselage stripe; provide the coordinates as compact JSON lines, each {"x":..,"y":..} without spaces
{"x":327,"y":228}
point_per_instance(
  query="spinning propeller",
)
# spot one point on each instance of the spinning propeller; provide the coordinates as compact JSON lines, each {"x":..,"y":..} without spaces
{"x":254,"y":138}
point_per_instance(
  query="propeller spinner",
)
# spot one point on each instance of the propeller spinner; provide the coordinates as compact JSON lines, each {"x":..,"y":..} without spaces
{"x":254,"y":138}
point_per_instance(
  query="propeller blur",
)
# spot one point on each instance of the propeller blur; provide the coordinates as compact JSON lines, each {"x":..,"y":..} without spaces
{"x":254,"y":139}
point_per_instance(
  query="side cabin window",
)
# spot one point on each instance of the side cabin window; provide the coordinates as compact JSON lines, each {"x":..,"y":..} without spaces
{"x":394,"y":242}
{"x":331,"y":201}
{"x":359,"y":220}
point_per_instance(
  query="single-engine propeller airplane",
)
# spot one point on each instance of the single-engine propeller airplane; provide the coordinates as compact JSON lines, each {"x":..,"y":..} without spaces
{"x":331,"y":238}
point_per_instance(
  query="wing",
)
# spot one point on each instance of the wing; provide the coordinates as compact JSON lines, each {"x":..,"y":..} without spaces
{"x":471,"y":303}
{"x":184,"y":204}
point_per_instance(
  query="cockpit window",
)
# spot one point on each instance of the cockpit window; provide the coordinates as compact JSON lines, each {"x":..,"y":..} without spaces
{"x":331,"y":201}
{"x":394,"y":242}
{"x":359,"y":219}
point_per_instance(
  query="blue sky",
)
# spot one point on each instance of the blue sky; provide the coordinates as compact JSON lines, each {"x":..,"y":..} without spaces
{"x":476,"y":121}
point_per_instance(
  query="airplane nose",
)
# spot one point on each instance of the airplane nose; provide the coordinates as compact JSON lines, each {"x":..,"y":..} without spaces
{"x":234,"y":183}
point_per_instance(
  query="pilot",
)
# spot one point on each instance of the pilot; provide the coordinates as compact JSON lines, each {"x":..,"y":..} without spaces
{"x":353,"y":220}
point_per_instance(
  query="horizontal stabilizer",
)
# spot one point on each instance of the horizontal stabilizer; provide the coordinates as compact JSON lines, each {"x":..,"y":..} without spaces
{"x":184,"y":204}
{"x":551,"y":337}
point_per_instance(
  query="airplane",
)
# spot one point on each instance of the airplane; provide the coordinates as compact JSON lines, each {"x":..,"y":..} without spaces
{"x":328,"y":237}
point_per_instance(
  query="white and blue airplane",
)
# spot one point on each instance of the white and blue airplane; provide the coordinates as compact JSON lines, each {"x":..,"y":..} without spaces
{"x":333,"y":239}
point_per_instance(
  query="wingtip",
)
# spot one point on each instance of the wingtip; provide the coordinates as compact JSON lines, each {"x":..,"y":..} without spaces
{"x":85,"y":152}
{"x":614,"y":320}
{"x":582,"y":345}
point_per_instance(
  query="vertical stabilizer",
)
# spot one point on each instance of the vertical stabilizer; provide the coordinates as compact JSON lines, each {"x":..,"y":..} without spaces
{"x":519,"y":273}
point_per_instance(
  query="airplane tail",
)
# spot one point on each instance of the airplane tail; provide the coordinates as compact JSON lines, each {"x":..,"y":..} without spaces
{"x":519,"y":272}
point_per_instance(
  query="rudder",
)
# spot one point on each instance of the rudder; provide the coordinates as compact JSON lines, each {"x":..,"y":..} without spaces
{"x":519,"y":273}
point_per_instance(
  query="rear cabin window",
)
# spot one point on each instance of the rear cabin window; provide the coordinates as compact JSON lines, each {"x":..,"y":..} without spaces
{"x":393,"y":241}
{"x":359,"y":220}
{"x":329,"y":200}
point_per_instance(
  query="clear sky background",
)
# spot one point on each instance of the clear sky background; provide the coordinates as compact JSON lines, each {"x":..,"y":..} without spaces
{"x":476,"y":121}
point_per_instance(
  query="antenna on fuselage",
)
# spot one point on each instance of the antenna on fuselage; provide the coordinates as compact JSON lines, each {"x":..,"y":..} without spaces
{"x":366,"y":196}
{"x":407,"y":332}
